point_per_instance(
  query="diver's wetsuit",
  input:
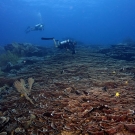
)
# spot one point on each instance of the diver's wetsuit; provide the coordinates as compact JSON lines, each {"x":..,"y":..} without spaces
{"x":68,"y":45}
{"x":38,"y":27}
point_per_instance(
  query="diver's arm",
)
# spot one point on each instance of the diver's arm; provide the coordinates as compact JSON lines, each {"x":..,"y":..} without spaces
{"x":55,"y":44}
{"x":29,"y":29}
{"x":32,"y":28}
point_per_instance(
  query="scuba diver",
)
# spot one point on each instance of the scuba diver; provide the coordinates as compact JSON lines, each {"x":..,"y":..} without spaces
{"x":35,"y":28}
{"x":69,"y":45}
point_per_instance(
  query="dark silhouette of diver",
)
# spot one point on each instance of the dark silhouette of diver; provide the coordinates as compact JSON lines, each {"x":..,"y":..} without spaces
{"x":37,"y":27}
{"x":66,"y":44}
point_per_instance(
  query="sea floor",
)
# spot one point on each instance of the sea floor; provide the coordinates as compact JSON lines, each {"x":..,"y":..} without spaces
{"x":83,"y":94}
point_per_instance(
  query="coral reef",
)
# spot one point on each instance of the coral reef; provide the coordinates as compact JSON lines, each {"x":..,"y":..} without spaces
{"x":25,"y":49}
{"x":123,"y":51}
{"x":6,"y":81}
{"x":72,"y":95}
{"x":8,"y":57}
{"x":16,"y":55}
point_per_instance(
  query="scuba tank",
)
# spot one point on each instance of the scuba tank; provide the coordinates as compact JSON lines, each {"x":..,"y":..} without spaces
{"x":64,"y":42}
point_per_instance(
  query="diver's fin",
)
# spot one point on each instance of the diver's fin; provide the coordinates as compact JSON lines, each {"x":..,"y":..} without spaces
{"x":47,"y":38}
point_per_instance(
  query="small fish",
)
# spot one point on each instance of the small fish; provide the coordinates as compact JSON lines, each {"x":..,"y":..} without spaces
{"x":22,"y":95}
{"x":126,"y":82}
{"x":114,"y":72}
{"x":117,"y":94}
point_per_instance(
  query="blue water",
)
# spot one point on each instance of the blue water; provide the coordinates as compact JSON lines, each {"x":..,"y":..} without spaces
{"x":89,"y":21}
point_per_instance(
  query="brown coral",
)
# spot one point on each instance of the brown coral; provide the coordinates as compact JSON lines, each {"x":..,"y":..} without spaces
{"x":72,"y":102}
